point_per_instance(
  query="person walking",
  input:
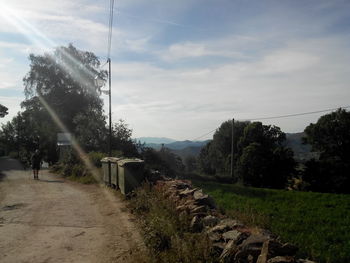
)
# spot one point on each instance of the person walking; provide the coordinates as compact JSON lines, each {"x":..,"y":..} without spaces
{"x":36,"y":163}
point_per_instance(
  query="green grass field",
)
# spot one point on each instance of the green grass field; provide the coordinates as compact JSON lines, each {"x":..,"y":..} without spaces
{"x":318,"y":223}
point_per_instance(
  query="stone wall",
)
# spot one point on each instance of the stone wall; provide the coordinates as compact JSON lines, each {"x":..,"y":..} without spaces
{"x":231,"y":240}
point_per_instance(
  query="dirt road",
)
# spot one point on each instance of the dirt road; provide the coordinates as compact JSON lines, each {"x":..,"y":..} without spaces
{"x":54,"y":220}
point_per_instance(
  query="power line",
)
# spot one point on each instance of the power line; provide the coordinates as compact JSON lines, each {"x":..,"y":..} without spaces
{"x":292,"y":115}
{"x":277,"y":117}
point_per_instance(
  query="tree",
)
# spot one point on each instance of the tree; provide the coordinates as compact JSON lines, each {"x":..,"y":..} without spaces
{"x":330,"y":137}
{"x":64,"y":80}
{"x":264,"y":161}
{"x":215,"y":157}
{"x":259,"y":157}
{"x":3,"y":111}
{"x":121,"y":139}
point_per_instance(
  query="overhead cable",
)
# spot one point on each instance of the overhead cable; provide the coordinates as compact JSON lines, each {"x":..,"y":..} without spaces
{"x":277,"y":117}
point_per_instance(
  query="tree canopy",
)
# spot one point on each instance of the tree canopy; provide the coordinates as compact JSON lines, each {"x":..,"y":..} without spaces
{"x":330,"y":137}
{"x":3,"y":111}
{"x":259,"y":157}
{"x":59,"y":87}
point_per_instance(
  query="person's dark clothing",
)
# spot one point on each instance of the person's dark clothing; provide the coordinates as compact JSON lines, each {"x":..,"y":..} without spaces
{"x":36,"y":161}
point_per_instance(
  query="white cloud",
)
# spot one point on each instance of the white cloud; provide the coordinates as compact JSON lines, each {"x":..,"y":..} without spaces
{"x":183,"y":102}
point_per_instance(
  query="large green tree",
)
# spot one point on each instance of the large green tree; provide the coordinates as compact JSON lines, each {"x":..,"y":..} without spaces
{"x":259,"y":156}
{"x":60,"y":89}
{"x":60,"y":85}
{"x":330,"y":137}
{"x":263,"y":161}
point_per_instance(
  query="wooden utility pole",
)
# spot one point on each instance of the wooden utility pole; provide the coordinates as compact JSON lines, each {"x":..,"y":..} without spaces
{"x":233,"y":122}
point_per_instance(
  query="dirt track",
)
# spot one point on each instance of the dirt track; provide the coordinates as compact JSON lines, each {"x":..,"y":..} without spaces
{"x":54,"y":220}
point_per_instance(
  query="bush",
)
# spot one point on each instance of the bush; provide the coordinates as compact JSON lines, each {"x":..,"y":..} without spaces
{"x":95,"y":158}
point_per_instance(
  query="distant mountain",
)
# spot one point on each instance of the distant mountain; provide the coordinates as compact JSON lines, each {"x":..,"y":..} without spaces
{"x":155,"y":140}
{"x":185,"y":144}
{"x":181,"y":148}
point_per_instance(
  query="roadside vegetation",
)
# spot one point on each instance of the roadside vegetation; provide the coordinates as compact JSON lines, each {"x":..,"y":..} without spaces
{"x":167,"y":235}
{"x":318,"y":223}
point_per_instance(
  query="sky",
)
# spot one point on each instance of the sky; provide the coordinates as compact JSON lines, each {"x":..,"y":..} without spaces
{"x":181,"y":68}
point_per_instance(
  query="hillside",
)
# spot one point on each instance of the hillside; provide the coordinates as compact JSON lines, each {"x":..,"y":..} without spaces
{"x":180,"y":148}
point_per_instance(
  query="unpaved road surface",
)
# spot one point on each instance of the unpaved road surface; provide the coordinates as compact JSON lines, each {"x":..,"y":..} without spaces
{"x":54,"y":220}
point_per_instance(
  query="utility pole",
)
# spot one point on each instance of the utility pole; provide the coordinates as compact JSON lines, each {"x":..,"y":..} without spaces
{"x":110,"y":108}
{"x":233,"y":122}
{"x":110,"y":122}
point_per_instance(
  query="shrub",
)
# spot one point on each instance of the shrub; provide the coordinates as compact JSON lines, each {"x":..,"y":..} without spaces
{"x":95,"y":158}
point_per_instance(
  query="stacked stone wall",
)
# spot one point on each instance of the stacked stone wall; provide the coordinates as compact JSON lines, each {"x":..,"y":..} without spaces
{"x":230,"y":239}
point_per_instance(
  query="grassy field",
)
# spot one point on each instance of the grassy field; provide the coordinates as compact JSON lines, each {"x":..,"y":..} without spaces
{"x":318,"y":223}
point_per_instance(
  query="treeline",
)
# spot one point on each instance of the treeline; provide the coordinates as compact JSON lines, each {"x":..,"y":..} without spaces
{"x":260,"y":158}
{"x":61,"y":96}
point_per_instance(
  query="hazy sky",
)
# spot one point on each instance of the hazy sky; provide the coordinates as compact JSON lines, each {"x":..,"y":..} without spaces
{"x":181,"y":68}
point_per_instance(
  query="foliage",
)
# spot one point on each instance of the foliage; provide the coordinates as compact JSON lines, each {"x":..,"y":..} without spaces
{"x":95,"y":158}
{"x":121,"y":139}
{"x":330,"y":136}
{"x":164,"y":161}
{"x":318,"y":223}
{"x":259,"y":157}
{"x":190,"y":163}
{"x":3,"y":111}
{"x":167,"y":235}
{"x":59,"y":87}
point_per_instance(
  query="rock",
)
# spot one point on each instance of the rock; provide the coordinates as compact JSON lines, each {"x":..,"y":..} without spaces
{"x":214,"y":236}
{"x":199,"y":209}
{"x":203,"y":199}
{"x":189,"y":202}
{"x":253,"y":241}
{"x":231,"y":235}
{"x":187,"y":192}
{"x":210,"y":221}
{"x":251,"y":246}
{"x":235,"y":235}
{"x":219,"y":228}
{"x":281,"y":259}
{"x":264,"y":253}
{"x":231,"y":223}
{"x":181,"y":208}
{"x":229,"y":252}
{"x":196,"y":225}
{"x":199,"y":195}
